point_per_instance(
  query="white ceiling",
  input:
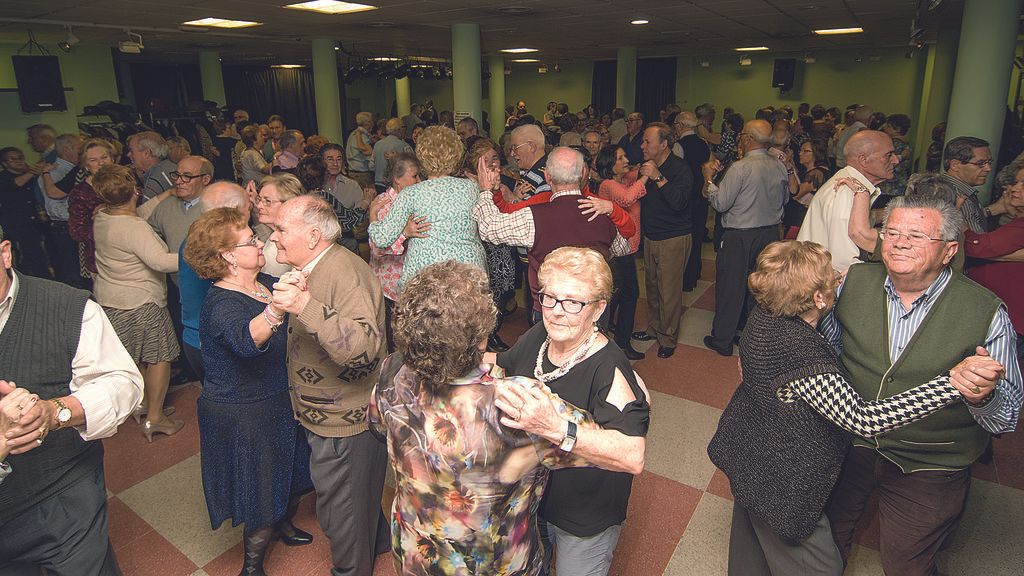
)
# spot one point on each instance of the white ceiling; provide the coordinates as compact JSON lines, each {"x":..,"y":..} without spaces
{"x":564,"y":30}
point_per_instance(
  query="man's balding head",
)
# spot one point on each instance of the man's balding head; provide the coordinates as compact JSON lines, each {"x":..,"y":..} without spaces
{"x":687,"y":119}
{"x":564,"y":167}
{"x":224,"y":194}
{"x":758,"y":135}
{"x":872,"y":154}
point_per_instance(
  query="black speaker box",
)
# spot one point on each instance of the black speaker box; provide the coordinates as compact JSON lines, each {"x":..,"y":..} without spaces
{"x":40,"y":86}
{"x":784,"y":74}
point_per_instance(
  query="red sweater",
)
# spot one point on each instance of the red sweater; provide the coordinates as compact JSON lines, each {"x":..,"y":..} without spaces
{"x":626,"y":226}
{"x":1005,"y":279}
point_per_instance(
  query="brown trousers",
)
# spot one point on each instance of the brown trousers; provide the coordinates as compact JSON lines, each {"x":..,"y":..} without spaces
{"x":664,"y":266}
{"x":916,"y":511}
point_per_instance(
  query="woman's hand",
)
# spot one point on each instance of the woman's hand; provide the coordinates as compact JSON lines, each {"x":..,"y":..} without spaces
{"x":711,"y":168}
{"x":528,"y":408}
{"x":595,"y":207}
{"x":487,"y":176}
{"x":31,"y":427}
{"x":252,"y":192}
{"x":369,"y":194}
{"x":416,"y":227}
{"x":12,"y":407}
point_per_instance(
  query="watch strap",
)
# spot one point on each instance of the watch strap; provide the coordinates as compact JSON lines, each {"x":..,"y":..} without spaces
{"x":569,"y":441}
{"x":61,"y":406}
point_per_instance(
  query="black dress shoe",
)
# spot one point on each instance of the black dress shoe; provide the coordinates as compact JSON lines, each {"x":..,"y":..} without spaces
{"x":710,"y":343}
{"x":631,"y":353}
{"x":294,"y":537}
{"x":642,"y":336}
{"x":666,"y":352}
{"x":496,"y":344}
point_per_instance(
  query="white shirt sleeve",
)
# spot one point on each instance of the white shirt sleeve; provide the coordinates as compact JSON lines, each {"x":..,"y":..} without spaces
{"x":104,"y":378}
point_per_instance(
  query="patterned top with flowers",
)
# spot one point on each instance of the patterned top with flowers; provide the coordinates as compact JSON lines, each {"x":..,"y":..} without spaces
{"x":467,"y":487}
{"x":387,"y":261}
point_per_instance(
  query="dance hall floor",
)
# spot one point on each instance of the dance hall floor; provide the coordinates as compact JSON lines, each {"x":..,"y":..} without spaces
{"x":679,"y":513}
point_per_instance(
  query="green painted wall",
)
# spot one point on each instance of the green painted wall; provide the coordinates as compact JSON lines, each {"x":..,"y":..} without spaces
{"x":88,"y":71}
{"x":573,"y":85}
{"x":890,"y":85}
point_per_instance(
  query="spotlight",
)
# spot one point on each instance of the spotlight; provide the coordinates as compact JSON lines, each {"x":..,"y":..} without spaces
{"x":809,"y":59}
{"x":558,"y":68}
{"x":68,"y":42}
{"x":402,"y":70}
{"x":745,"y":61}
{"x":705,"y":63}
{"x":543,"y":69}
{"x":438,"y":73}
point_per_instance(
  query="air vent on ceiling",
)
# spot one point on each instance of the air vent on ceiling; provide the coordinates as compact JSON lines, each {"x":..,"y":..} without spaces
{"x":515,"y":10}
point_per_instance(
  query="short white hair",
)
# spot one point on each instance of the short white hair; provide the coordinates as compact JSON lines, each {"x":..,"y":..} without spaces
{"x":364,"y":118}
{"x":153,"y":142}
{"x":529,"y":133}
{"x":317,"y":213}
{"x":564,"y":166}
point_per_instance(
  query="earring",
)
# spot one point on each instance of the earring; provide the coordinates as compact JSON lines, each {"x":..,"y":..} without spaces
{"x":234,"y":268}
{"x":821,"y":305}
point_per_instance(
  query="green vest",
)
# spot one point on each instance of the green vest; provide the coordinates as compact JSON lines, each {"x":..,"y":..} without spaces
{"x":958,"y":321}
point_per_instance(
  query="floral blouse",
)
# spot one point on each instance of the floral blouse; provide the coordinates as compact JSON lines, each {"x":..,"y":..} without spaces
{"x":387,"y":261}
{"x":467,"y":487}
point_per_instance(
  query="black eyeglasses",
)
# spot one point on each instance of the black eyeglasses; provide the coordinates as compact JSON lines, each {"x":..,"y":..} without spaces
{"x":569,"y":306}
{"x":186,"y":178}
{"x":981,"y":163}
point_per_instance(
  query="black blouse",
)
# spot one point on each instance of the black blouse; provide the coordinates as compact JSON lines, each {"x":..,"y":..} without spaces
{"x":585,"y":501}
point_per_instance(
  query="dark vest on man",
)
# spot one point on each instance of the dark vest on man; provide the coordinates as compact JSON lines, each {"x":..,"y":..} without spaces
{"x":37,"y":347}
{"x":957,"y":322}
{"x":559,"y":223}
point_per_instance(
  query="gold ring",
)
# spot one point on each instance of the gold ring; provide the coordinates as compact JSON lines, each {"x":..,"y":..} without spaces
{"x":976,"y":389}
{"x":39,"y":441}
{"x":42,"y":433}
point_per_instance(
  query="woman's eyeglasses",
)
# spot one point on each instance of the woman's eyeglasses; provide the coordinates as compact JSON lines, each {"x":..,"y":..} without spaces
{"x":253,"y":241}
{"x":569,"y":306}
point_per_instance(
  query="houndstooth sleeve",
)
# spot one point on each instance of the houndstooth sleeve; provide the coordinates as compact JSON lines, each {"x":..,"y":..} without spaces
{"x":834,"y":398}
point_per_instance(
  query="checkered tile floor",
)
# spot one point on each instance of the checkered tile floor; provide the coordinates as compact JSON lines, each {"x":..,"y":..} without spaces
{"x":678,"y":517}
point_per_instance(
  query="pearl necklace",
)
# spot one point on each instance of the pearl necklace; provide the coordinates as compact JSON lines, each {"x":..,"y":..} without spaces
{"x":538,"y":370}
{"x":260,"y":293}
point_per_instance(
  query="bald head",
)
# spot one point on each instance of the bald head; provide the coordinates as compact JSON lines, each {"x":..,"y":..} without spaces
{"x":687,"y":119}
{"x":224,"y":194}
{"x":759,"y":134}
{"x":393,"y":126}
{"x":871,"y":153}
{"x":864,"y":143}
{"x":564,"y":168}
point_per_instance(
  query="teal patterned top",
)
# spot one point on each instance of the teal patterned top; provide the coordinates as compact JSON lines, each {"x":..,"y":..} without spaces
{"x":447,"y":203}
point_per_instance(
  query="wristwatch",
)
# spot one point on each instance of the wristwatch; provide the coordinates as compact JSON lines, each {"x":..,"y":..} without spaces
{"x":659,"y":178}
{"x":569,"y":442}
{"x":63,"y":412}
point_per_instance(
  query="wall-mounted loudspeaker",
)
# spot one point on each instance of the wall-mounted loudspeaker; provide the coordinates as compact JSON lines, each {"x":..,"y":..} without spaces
{"x":784,"y":74}
{"x":40,"y":86}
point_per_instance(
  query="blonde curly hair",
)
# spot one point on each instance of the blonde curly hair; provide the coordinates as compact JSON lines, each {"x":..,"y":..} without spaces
{"x":439,"y":150}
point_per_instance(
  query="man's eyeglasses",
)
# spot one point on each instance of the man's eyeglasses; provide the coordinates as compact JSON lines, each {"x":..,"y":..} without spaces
{"x":569,"y":306}
{"x":264,"y":201}
{"x":251,"y":242}
{"x":518,"y":146}
{"x":186,"y":178}
{"x":915,"y":238}
{"x":981,"y":163}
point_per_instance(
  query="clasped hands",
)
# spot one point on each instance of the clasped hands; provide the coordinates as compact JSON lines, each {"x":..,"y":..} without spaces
{"x":975,"y":377}
{"x":530,"y":408}
{"x":24,"y":420}
{"x":291,"y":293}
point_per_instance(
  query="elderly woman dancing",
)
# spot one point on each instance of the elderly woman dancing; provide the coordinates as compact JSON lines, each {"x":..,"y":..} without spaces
{"x":469,"y":480}
{"x":783,"y":437}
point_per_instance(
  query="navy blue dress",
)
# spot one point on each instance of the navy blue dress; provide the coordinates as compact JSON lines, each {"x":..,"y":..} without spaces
{"x":254,"y":453}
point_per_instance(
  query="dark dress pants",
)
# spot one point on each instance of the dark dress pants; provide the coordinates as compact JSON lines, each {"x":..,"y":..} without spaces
{"x":917,"y":512}
{"x":736,"y":259}
{"x":30,"y":256}
{"x":64,"y":256}
{"x":65,"y":534}
{"x":627,"y":291}
{"x":699,"y":215}
{"x":348,"y":474}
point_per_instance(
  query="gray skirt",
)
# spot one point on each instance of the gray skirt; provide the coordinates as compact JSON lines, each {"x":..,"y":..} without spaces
{"x":146,"y":332}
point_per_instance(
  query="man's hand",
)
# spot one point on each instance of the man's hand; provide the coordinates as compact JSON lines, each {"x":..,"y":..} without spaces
{"x":13,"y":405}
{"x":711,"y":168}
{"x":650,"y":169}
{"x":595,"y":207}
{"x":522,"y":189}
{"x":369,"y":193}
{"x":289,"y":297}
{"x":976,"y":376}
{"x":33,"y":425}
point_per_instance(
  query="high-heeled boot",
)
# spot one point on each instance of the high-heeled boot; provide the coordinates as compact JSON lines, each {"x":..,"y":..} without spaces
{"x":254,"y":546}
{"x":287,"y":532}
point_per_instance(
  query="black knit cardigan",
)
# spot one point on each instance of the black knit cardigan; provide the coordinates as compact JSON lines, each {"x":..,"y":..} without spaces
{"x":782,"y":459}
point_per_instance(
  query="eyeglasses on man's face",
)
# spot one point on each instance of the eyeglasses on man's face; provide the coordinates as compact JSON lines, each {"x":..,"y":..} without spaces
{"x":569,"y":305}
{"x":185,"y":177}
{"x":915,"y":238}
{"x":981,"y":163}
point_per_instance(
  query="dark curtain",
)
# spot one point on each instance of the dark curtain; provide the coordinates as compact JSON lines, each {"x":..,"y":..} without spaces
{"x":264,"y":91}
{"x":655,"y":85}
{"x":165,"y":89}
{"x":602,"y":91}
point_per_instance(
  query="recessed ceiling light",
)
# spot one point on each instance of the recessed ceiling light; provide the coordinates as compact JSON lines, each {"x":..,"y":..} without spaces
{"x":220,"y":23}
{"x":752,"y":49}
{"x":525,"y":60}
{"x":331,"y":7}
{"x":640,"y":22}
{"x":519,"y":50}
{"x":287,"y":66}
{"x":828,"y":31}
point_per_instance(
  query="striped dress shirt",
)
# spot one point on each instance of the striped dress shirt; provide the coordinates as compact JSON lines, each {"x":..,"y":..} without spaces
{"x":999,"y":415}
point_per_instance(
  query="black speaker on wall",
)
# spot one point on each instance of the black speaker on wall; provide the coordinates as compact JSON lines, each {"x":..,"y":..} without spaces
{"x":784,"y":74}
{"x":40,"y":86}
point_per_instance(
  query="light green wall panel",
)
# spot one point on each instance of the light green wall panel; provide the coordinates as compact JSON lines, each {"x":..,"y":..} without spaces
{"x":88,"y":71}
{"x":572,"y":86}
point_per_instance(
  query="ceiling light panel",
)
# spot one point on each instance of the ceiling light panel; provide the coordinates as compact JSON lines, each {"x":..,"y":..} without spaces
{"x":519,"y":50}
{"x":831,"y":31}
{"x":221,"y":23}
{"x":525,"y":60}
{"x":752,"y":49}
{"x":331,"y":7}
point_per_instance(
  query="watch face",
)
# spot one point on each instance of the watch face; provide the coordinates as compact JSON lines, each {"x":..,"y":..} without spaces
{"x":64,"y":415}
